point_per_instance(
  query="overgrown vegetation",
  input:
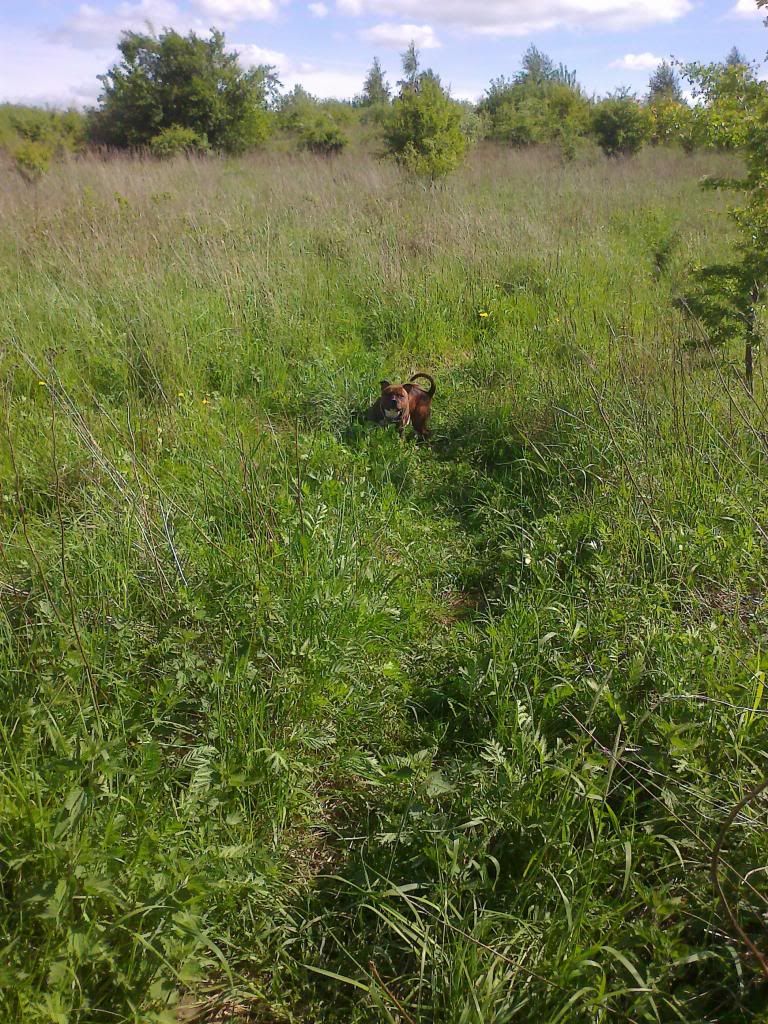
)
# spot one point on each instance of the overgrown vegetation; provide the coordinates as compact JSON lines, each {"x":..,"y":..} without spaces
{"x":304,"y":722}
{"x":34,"y":137}
{"x":168,"y":82}
{"x":621,"y":125}
{"x":175,"y":94}
{"x":423,"y":132}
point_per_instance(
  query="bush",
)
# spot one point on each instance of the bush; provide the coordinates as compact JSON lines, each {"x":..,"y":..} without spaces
{"x":424,"y":130}
{"x":729,"y":95}
{"x":32,"y":159}
{"x":523,"y":113}
{"x":60,"y":131}
{"x":671,"y":122}
{"x":176,"y":140}
{"x":322,"y":135}
{"x":620,"y":125}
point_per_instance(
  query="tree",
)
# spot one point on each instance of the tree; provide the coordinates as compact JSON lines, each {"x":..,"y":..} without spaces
{"x":423,"y":131}
{"x":542,"y":103}
{"x":620,"y":125}
{"x":728,"y":95}
{"x":295,"y":108}
{"x":410,"y":64}
{"x":735,"y":57}
{"x":729,"y":298}
{"x":179,"y":81}
{"x":538,"y":68}
{"x":376,"y":89}
{"x":664,"y":85}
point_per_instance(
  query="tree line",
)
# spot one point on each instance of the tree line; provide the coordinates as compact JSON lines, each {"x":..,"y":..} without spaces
{"x":172,"y":93}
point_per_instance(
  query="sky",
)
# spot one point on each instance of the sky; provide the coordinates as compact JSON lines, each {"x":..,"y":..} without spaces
{"x":52,"y":50}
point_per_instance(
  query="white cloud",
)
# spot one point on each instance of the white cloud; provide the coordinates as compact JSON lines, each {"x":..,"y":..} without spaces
{"x":319,"y":10}
{"x":36,"y":71}
{"x":91,"y":26}
{"x":319,"y":79}
{"x":747,"y":9}
{"x":325,"y":82}
{"x":637,"y":62}
{"x":251,"y":55}
{"x":522,"y":17}
{"x":231,"y":11}
{"x":397,"y":36}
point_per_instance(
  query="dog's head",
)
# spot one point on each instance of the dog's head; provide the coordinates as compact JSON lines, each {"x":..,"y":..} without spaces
{"x":394,"y":400}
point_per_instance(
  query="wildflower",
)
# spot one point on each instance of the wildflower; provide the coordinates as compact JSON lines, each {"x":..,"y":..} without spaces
{"x":42,"y":384}
{"x":206,"y":402}
{"x":527,"y":559}
{"x":181,"y":394}
{"x":482,"y":313}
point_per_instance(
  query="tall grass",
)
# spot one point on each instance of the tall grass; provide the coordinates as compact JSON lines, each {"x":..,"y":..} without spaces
{"x":304,"y":723}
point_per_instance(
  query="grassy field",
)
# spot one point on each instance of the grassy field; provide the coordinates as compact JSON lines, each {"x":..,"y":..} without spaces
{"x":303,"y":723}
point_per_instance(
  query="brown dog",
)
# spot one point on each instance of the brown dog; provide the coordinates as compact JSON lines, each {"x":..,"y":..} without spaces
{"x":401,"y":404}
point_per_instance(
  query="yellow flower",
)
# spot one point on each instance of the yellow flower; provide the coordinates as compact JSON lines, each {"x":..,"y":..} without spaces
{"x":181,"y":394}
{"x":206,"y":402}
{"x":42,"y":384}
{"x":483,"y":313}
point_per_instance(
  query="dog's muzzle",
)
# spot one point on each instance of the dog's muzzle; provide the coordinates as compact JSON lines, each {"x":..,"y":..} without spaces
{"x":393,"y":414}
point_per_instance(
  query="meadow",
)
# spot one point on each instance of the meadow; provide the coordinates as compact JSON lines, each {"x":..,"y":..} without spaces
{"x":303,"y":723}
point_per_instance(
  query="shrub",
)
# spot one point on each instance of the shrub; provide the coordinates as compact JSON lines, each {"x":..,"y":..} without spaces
{"x":322,"y":136}
{"x":424,"y":130}
{"x":176,"y":140}
{"x":671,"y":122}
{"x":530,"y":111}
{"x":620,"y":125}
{"x":729,"y":94}
{"x":59,"y":130}
{"x":32,"y":159}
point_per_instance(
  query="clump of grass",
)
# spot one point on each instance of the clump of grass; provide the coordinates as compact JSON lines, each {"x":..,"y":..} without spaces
{"x":309,"y":723}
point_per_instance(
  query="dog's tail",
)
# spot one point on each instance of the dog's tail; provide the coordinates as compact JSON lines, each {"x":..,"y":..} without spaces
{"x":425,"y":376}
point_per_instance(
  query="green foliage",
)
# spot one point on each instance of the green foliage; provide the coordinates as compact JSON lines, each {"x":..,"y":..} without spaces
{"x":32,"y":159}
{"x":169,"y":80}
{"x":303,"y":723}
{"x":729,"y":95}
{"x":542,"y":103}
{"x":35,"y":137}
{"x":320,"y":134}
{"x":411,"y":66}
{"x":474,"y":124}
{"x":675,"y":123}
{"x":537,"y":68}
{"x":376,"y":90}
{"x":317,"y":126}
{"x":729,"y":299}
{"x":664,"y":86}
{"x":176,"y":140}
{"x":424,"y":130}
{"x":719,"y":297}
{"x":621,"y":125}
{"x":294,"y":107}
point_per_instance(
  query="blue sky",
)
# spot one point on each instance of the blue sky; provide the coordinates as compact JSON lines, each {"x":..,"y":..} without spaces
{"x":52,"y":50}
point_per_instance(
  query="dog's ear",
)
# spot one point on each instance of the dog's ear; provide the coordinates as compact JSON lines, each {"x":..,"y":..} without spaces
{"x":384,"y":384}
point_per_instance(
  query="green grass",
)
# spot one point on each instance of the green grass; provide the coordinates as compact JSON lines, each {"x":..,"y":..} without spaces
{"x":304,"y":723}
